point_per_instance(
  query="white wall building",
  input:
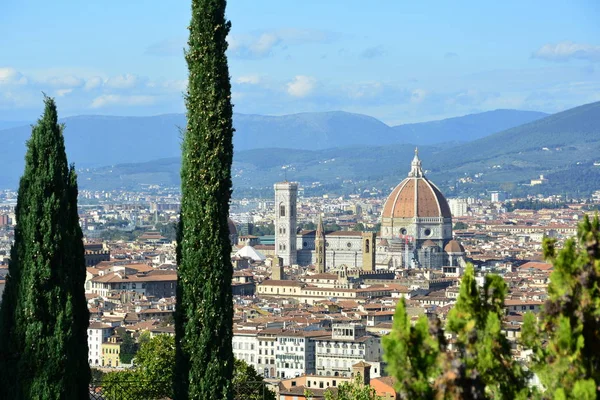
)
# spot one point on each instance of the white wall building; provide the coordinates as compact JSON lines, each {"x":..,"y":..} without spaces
{"x":245,"y":346}
{"x":98,"y":333}
{"x":458,"y":207}
{"x":267,"y":343}
{"x":295,"y":353}
{"x":348,"y":345}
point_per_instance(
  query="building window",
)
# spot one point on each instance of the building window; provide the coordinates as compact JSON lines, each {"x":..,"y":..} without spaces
{"x":282,"y":211}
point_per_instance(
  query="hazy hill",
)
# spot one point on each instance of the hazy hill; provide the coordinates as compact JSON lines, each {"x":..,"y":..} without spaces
{"x":11,"y":124}
{"x":563,"y":146}
{"x":107,"y":140}
{"x":549,"y":144}
{"x":466,"y":128}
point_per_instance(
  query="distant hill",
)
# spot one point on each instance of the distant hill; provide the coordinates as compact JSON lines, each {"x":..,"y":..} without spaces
{"x":466,"y":128}
{"x":94,"y":141}
{"x":259,"y":168}
{"x":563,"y":147}
{"x":548,"y":145}
{"x":11,"y":124}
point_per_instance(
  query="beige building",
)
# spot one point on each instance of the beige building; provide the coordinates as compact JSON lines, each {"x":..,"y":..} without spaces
{"x":111,"y":351}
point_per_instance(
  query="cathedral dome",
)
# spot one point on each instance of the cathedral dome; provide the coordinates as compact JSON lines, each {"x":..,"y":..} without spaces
{"x":429,"y":243}
{"x":454,"y":247}
{"x":416,"y":197}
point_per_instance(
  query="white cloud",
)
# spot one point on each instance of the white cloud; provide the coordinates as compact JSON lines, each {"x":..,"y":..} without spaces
{"x":63,"y":92}
{"x":565,"y":51}
{"x":93,"y":83}
{"x":69,"y":81}
{"x":301,"y":86}
{"x":248,"y":79}
{"x":10,"y":75}
{"x":122,"y":100}
{"x":125,"y":81}
{"x":264,"y":44}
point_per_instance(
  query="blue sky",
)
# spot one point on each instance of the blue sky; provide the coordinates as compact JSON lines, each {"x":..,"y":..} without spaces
{"x":399,"y":61}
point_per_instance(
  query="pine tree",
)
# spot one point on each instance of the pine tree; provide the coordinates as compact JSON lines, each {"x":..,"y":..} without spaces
{"x":569,"y":363}
{"x":44,"y":315}
{"x":204,"y":317}
{"x":479,"y":365}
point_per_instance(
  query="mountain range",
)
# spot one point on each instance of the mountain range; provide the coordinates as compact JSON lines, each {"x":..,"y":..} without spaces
{"x":94,"y":141}
{"x":331,"y":150}
{"x":564,"y":147}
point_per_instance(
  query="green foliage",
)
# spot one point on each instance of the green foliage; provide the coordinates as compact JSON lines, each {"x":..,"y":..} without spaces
{"x":152,"y":377}
{"x":413,"y":354}
{"x":460,"y":225}
{"x":249,"y":384}
{"x":168,"y":230}
{"x":569,"y":365}
{"x":204,"y":316}
{"x":153,"y":374}
{"x":97,"y":375}
{"x":359,"y":227}
{"x":44,"y":315}
{"x":263,"y":230}
{"x":532,"y":204}
{"x":355,"y":390}
{"x":480,"y":363}
{"x":128,"y":347}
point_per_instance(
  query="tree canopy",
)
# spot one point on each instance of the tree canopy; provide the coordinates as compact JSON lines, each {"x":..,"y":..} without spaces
{"x":44,"y":315}
{"x":566,"y":342}
{"x":478,"y":365}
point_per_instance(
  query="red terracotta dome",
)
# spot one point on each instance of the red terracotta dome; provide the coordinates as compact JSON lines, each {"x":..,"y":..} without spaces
{"x":454,"y":247}
{"x":416,"y":196}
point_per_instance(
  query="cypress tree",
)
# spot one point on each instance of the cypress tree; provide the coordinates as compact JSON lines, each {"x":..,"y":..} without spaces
{"x":204,"y":316}
{"x":44,"y":315}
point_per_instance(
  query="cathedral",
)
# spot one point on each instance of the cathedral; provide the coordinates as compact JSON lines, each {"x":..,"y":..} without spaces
{"x":416,"y":232}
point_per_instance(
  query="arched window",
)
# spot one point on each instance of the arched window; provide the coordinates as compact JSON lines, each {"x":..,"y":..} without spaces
{"x":282,"y":210}
{"x":367,"y":246}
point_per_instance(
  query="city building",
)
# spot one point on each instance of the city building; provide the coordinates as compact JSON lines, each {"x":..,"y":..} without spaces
{"x":416,"y":227}
{"x":348,"y":345}
{"x":98,"y":333}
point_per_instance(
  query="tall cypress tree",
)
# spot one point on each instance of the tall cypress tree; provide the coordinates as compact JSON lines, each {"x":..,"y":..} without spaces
{"x":44,"y":315}
{"x":204,"y":356}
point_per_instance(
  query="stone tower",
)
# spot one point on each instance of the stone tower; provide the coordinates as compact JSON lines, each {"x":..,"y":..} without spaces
{"x":285,"y":221}
{"x":320,"y":248}
{"x":368,"y":253}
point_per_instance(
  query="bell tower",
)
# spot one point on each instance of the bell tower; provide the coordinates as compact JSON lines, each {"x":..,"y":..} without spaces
{"x":368,"y":251}
{"x":286,"y":194}
{"x":320,"y":251}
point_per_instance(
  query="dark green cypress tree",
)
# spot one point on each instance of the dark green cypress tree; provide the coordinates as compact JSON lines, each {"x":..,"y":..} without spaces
{"x":44,"y":315}
{"x":204,"y":359}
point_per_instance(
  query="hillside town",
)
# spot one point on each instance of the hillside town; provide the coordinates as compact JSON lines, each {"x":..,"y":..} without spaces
{"x":313,"y":318}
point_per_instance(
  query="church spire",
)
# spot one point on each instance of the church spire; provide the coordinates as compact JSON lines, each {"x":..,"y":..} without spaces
{"x":415,"y":166}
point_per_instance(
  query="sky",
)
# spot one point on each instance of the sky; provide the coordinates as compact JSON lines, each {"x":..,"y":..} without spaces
{"x":398,"y":61}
